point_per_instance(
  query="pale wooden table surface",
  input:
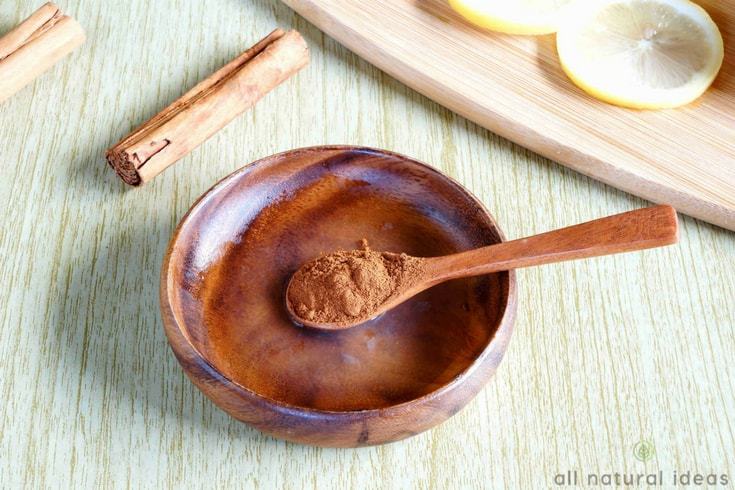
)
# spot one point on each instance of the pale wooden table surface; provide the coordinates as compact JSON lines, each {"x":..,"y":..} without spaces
{"x":605,"y":352}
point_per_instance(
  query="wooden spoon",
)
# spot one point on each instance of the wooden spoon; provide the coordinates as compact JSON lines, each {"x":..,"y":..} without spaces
{"x":635,"y":230}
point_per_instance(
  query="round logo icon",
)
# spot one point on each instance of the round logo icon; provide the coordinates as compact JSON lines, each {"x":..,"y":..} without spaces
{"x":644,"y":451}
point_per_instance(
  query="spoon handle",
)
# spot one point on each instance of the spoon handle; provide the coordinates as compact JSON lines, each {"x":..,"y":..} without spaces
{"x":635,"y":230}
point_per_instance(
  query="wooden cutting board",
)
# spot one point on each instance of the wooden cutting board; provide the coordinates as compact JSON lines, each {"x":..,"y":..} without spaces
{"x":514,"y":86}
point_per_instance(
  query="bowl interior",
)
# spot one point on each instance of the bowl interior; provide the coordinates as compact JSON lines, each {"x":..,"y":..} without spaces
{"x":235,"y":251}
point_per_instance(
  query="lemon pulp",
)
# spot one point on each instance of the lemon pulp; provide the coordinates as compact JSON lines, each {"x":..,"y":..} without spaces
{"x":640,"y":53}
{"x":512,"y":16}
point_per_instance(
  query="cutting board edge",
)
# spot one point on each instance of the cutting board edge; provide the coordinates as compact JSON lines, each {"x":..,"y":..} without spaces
{"x":573,"y":158}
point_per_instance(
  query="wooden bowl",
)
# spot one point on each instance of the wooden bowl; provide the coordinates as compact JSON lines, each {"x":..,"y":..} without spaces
{"x":226,"y":269}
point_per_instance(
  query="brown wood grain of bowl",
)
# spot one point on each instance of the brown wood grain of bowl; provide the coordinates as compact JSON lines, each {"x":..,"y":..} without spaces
{"x":223,"y":280}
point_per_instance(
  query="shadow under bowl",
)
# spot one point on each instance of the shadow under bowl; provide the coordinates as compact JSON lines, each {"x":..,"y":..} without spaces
{"x":232,"y":255}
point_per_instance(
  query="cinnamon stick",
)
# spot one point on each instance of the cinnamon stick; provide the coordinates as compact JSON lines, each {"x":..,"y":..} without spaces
{"x":34,"y":46}
{"x":208,"y":107}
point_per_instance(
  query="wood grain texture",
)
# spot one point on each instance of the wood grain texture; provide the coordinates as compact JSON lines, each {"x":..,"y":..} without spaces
{"x":222,"y":298}
{"x":632,"y":231}
{"x":604,"y":352}
{"x":636,"y":230}
{"x":514,"y":86}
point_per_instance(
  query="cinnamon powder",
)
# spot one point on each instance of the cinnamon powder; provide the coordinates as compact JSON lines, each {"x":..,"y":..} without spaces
{"x":346,"y":285}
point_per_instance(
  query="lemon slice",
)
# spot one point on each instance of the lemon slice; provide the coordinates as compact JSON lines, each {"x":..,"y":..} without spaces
{"x":644,"y":54}
{"x":512,"y":16}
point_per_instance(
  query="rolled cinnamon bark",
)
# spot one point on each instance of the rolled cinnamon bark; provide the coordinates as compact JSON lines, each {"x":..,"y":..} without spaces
{"x":208,"y":107}
{"x":34,"y":46}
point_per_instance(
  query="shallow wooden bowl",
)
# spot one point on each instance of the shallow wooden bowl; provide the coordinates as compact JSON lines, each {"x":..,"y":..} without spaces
{"x":222,"y":298}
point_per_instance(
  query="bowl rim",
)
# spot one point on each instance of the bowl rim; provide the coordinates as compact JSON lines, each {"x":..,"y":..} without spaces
{"x":177,"y":338}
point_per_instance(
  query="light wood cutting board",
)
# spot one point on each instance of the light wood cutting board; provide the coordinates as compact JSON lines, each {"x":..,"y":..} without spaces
{"x":514,"y":86}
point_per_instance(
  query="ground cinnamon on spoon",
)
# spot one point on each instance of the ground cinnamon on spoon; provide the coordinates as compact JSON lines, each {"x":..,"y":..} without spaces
{"x":346,"y":285}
